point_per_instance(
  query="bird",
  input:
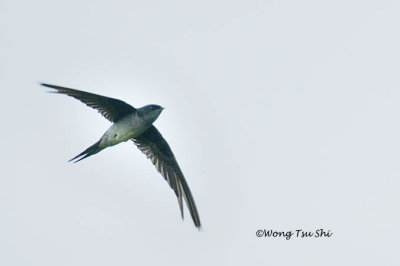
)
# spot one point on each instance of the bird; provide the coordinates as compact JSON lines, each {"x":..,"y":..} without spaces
{"x":135,"y":124}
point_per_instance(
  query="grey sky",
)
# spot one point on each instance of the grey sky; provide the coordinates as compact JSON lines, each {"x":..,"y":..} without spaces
{"x":283,"y":115}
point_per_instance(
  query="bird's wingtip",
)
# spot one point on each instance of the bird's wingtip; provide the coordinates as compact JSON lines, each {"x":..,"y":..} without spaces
{"x":48,"y":86}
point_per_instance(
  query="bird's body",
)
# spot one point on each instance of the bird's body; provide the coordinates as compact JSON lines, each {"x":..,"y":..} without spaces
{"x":128,"y":127}
{"x":134,"y":124}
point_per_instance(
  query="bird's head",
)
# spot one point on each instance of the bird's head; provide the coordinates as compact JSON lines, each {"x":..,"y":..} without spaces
{"x":150,"y":112}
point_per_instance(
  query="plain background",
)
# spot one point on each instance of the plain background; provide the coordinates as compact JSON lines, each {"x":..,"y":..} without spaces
{"x":283,"y":115}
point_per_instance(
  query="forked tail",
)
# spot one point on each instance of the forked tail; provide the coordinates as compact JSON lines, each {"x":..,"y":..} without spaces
{"x":95,"y":148}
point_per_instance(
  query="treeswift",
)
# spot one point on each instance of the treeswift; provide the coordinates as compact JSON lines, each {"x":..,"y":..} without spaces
{"x":135,"y":124}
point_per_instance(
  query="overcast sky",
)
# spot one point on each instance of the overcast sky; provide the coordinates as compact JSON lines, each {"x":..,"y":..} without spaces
{"x":283,"y":115}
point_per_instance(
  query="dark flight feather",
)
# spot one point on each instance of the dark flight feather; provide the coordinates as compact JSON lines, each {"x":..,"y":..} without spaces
{"x":110,"y":108}
{"x":154,"y":146}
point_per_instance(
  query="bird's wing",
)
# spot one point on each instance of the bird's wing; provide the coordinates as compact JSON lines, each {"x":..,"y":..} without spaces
{"x":154,"y":146}
{"x":112,"y":109}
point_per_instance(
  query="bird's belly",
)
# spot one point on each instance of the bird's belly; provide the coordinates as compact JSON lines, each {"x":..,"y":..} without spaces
{"x":123,"y":130}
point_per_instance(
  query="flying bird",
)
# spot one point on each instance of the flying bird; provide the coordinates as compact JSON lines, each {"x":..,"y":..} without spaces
{"x":135,"y":124}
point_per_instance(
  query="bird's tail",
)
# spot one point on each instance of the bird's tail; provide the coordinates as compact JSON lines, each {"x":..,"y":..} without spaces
{"x":95,"y":148}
